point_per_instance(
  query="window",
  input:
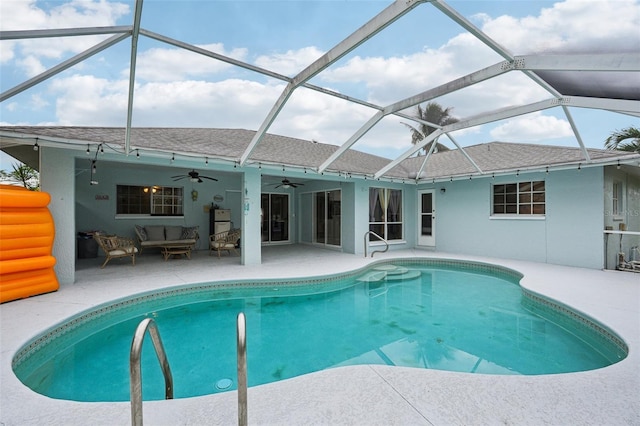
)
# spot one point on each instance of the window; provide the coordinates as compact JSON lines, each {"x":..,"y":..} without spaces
{"x":524,"y":198}
{"x":149,"y":200}
{"x":616,"y":207}
{"x":385,"y":213}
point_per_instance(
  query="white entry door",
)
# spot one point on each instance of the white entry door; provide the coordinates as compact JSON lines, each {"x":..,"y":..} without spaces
{"x":426,"y":219}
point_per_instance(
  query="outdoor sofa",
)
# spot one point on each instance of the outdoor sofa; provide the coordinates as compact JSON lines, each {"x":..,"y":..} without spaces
{"x":163,"y":235}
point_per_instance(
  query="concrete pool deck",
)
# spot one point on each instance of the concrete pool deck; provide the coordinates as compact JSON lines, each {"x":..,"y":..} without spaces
{"x":369,"y":394}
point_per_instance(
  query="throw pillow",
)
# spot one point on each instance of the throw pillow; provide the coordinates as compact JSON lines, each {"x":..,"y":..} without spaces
{"x":141,"y":232}
{"x":155,"y":233}
{"x":189,"y":232}
{"x":173,"y":232}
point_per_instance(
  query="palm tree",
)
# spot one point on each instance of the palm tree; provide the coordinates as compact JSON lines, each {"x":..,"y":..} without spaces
{"x":23,"y":174}
{"x":618,"y":139}
{"x":433,"y":113}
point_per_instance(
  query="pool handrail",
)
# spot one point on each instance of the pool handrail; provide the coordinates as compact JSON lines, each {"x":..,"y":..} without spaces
{"x":135,"y":367}
{"x":242,"y":369}
{"x":378,"y":237}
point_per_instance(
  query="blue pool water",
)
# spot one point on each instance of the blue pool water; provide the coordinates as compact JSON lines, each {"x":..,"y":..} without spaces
{"x":436,"y":317}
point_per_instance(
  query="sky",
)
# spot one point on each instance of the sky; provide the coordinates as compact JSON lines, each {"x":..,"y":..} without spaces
{"x":423,"y":49}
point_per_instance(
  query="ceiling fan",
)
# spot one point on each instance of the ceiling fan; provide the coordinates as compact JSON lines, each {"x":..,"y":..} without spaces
{"x":286,"y":183}
{"x":193,"y":177}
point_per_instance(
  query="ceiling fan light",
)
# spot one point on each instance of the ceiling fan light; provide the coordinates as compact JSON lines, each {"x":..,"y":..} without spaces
{"x":286,"y":186}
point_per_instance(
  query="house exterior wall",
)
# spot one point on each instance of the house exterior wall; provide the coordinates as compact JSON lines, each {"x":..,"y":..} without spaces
{"x":575,"y":217}
{"x":569,"y":234}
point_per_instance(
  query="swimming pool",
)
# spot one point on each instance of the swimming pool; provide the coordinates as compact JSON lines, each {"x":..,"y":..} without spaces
{"x":297,"y":327}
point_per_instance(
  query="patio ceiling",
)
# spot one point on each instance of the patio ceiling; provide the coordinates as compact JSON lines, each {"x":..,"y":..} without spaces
{"x":604,"y":80}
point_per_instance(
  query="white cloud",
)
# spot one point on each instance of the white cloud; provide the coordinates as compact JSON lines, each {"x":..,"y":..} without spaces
{"x":570,"y":26}
{"x":535,"y":127}
{"x":291,"y":62}
{"x":18,"y":15}
{"x":161,"y":64}
{"x":91,"y":101}
{"x":31,"y":65}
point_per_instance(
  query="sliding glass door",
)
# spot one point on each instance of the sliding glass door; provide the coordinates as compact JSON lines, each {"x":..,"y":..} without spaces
{"x":328,"y":221}
{"x":275,"y":217}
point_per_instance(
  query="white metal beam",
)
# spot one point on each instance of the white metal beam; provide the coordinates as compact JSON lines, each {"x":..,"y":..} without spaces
{"x":616,"y":105}
{"x":390,"y":14}
{"x":580,"y":62}
{"x":62,"y":66}
{"x":62,"y":32}
{"x":353,"y":139}
{"x":473,"y":163}
{"x":567,"y":113}
{"x":408,"y":153}
{"x":137,"y":16}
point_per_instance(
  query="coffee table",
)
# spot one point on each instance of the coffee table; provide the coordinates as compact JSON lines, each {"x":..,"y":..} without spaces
{"x":176,"y":250}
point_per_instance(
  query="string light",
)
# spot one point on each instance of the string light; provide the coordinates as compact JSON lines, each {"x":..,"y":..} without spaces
{"x":137,"y":153}
{"x":36,"y":146}
{"x":88,"y":152}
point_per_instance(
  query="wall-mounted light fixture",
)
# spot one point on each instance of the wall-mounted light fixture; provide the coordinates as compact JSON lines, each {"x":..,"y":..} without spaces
{"x":443,"y":190}
{"x":194,"y":195}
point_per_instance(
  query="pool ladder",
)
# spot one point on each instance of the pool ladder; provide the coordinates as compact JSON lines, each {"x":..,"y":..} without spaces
{"x":149,"y":325}
{"x":366,"y":234}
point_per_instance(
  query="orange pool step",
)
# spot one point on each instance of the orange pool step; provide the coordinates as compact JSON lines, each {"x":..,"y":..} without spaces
{"x":26,"y":243}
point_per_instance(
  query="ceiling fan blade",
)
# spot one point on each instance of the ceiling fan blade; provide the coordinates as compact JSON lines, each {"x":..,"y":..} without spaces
{"x":207,"y":177}
{"x":179,"y":178}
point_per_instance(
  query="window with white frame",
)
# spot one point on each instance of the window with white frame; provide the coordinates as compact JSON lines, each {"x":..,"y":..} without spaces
{"x":616,"y":207}
{"x":149,"y":200}
{"x":385,"y":213}
{"x":519,"y":199}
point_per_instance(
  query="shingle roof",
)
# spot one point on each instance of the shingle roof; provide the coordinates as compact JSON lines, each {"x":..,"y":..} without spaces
{"x":226,"y":144}
{"x":229,"y":144}
{"x":502,"y":156}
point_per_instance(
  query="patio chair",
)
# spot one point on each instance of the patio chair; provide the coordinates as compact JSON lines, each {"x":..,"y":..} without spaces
{"x":115,"y":247}
{"x":224,"y":241}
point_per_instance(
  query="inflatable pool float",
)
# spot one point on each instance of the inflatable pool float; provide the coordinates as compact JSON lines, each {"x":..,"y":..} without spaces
{"x":26,"y":243}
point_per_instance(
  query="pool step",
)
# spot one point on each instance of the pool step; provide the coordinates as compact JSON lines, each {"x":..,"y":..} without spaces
{"x":372,"y":276}
{"x":409,"y":275}
{"x":389,"y":273}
